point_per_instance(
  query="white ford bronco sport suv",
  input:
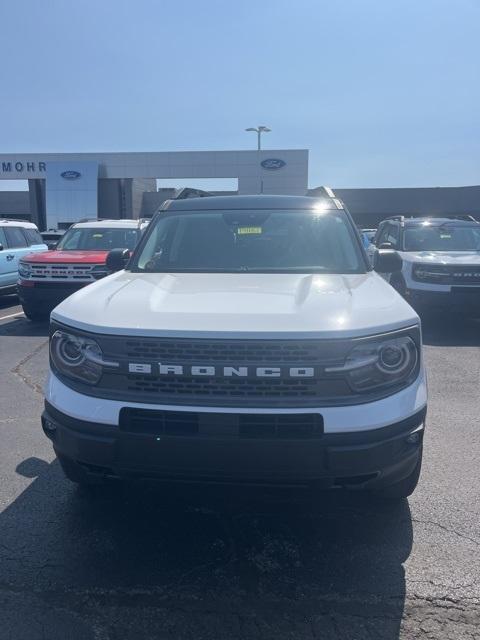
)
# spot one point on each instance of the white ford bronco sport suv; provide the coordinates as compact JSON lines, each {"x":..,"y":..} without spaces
{"x":440,"y":261}
{"x":246,"y":340}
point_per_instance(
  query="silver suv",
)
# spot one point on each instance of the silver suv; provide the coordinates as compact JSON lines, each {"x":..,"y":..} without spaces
{"x":440,"y":260}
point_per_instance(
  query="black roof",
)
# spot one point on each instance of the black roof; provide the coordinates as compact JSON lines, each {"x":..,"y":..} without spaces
{"x":247,"y":202}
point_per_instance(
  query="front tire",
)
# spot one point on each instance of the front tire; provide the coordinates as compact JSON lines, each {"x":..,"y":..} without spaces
{"x":35,"y":315}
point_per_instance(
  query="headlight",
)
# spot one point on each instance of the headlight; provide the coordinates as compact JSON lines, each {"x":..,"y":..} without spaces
{"x":24,"y":270}
{"x":76,"y":357}
{"x":99,"y":271}
{"x":430,"y":273}
{"x":383,"y":363}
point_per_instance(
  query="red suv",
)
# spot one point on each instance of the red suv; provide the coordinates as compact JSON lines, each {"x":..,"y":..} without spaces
{"x":45,"y":279}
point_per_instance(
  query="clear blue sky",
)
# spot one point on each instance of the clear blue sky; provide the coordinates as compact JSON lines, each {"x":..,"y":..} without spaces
{"x":382,"y":92}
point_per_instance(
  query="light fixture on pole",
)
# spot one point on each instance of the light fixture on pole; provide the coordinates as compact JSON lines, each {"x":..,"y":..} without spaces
{"x":259,"y":130}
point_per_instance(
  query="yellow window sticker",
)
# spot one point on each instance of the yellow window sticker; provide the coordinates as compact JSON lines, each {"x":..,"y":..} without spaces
{"x":244,"y":231}
{"x":97,"y":235}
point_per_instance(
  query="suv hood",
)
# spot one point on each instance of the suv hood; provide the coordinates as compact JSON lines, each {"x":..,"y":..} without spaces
{"x":442,"y":257}
{"x":242,"y":305}
{"x":70,"y":257}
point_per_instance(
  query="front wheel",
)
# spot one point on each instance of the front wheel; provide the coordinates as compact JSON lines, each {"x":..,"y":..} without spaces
{"x":404,"y":488}
{"x":35,"y":315}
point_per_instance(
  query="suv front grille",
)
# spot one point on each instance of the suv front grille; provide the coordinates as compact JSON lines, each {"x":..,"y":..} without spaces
{"x":446,"y":274}
{"x":227,"y":373}
{"x":65,"y":272}
{"x":220,"y":390}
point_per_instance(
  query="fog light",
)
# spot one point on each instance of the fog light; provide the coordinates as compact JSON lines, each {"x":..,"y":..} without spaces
{"x":414,"y":438}
{"x":49,"y":427}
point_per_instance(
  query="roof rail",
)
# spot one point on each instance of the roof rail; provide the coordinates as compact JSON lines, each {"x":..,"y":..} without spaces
{"x":189,"y":192}
{"x":330,"y":192}
{"x":461,"y":216}
{"x":105,"y":220}
{"x":326,"y":192}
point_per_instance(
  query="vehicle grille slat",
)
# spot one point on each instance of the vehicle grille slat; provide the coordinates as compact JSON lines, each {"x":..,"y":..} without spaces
{"x":449,"y":274}
{"x":238,"y":353}
{"x":239,"y":425}
{"x":220,"y":390}
{"x":64,"y":272}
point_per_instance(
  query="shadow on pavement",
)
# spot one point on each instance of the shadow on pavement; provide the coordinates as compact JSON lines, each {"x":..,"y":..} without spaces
{"x":22,"y":327}
{"x":451,"y":330}
{"x":9,"y":301}
{"x":157,"y":561}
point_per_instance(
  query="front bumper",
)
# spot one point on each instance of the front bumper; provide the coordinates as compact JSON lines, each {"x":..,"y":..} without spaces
{"x":45,"y":296}
{"x":218,"y":453}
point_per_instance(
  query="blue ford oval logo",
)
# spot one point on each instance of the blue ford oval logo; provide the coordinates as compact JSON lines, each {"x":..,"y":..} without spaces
{"x":273,"y":163}
{"x":71,"y":175}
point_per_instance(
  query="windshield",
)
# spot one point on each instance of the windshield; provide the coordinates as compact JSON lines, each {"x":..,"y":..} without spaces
{"x":98,"y":239}
{"x":261,"y":241}
{"x":442,"y":238}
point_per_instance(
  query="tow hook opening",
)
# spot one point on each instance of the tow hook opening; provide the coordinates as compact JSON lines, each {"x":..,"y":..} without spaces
{"x":346,"y":482}
{"x":49,"y":428}
{"x":416,"y":437}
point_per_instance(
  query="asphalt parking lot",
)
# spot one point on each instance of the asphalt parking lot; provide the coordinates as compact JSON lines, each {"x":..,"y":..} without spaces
{"x":155,"y":562}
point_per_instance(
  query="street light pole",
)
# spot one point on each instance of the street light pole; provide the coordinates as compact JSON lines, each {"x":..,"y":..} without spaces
{"x":259,"y":130}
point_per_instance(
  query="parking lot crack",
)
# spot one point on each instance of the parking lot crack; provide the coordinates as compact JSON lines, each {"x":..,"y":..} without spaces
{"x":17,"y":370}
{"x":447,"y":529}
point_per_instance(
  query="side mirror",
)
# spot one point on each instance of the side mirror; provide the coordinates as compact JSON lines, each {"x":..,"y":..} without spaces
{"x":117,"y":259}
{"x":385,"y":245}
{"x":1,"y":247}
{"x":387,"y":261}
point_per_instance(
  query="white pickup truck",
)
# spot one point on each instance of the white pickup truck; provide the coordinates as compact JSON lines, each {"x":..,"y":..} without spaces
{"x":247,"y":340}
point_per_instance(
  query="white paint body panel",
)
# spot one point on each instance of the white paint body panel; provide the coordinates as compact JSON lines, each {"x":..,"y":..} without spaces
{"x":237,"y":305}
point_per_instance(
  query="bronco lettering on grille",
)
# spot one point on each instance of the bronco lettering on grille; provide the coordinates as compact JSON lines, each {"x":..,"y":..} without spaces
{"x":217,"y":372}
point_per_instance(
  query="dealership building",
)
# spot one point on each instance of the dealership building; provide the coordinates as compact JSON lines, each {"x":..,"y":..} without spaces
{"x":66,"y":187}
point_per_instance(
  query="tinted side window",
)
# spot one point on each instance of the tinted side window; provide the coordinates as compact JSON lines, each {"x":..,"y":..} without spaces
{"x":15,"y":237}
{"x":377,"y":235}
{"x":392,"y":234}
{"x":33,"y":237}
{"x":3,"y":240}
{"x":382,"y":234}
